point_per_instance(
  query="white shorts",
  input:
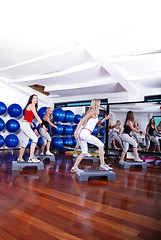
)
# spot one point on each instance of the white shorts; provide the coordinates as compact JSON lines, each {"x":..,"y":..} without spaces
{"x":86,"y":137}
{"x":27,"y":134}
{"x":45,"y":136}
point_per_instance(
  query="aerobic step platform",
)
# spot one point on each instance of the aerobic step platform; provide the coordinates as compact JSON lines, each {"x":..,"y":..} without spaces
{"x":43,"y":157}
{"x":17,"y":166}
{"x":84,"y":175}
{"x":93,"y":158}
{"x":128,"y":164}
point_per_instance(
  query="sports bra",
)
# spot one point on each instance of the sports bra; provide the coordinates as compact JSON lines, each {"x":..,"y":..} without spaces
{"x":28,"y":116}
{"x":151,"y":130}
{"x":45,"y":123}
{"x":91,"y":123}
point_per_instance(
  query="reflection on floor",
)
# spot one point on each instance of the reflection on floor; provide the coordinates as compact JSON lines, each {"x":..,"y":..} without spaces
{"x":53,"y":204}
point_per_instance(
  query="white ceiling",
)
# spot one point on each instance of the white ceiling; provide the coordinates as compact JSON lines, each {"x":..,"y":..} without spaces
{"x":82,"y":48}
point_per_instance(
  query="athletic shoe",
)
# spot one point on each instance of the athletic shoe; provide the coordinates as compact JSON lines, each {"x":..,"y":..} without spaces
{"x":21,"y":160}
{"x":138,"y":160}
{"x":49,"y":153}
{"x":121,"y":162}
{"x":109,"y":168}
{"x":75,"y":155}
{"x":103,"y":168}
{"x":33,"y":160}
{"x":88,"y":155}
{"x":73,"y":170}
{"x":41,"y":154}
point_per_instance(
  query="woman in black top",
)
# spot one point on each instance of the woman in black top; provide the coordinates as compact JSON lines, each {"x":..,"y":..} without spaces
{"x":151,"y":130}
{"x":127,"y":139}
{"x":45,"y":135}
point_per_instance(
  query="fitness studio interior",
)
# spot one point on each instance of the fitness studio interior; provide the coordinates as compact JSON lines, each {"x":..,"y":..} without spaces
{"x":80,"y":120}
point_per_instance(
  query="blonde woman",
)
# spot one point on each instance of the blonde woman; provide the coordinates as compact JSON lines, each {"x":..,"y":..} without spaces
{"x":46,"y":139}
{"x":89,"y":121}
{"x":116,"y":131}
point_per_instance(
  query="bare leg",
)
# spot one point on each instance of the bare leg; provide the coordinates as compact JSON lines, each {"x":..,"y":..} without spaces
{"x":42,"y":148}
{"x":158,"y":148}
{"x":101,"y":155}
{"x":122,"y":156}
{"x":79,"y":159}
{"x":21,"y":153}
{"x":75,"y":150}
{"x":32,"y":149}
{"x":48,"y":146}
{"x":135,"y":150}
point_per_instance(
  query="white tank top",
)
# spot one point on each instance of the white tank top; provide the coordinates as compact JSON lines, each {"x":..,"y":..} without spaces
{"x":91,"y":123}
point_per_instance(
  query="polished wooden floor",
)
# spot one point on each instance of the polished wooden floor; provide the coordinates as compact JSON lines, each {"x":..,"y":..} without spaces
{"x":53,"y":204}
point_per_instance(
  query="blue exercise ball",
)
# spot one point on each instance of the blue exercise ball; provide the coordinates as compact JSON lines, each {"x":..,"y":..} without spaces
{"x":11,"y":140}
{"x":3,"y":108}
{"x":69,"y":116}
{"x":2,"y":124}
{"x":42,"y":112}
{"x":14,"y":110}
{"x":95,"y":130}
{"x":29,"y":143}
{"x":1,"y":140}
{"x":12,"y":125}
{"x":58,"y":115}
{"x":68,"y":130}
{"x":56,"y":142}
{"x":67,"y":141}
{"x":77,"y":118}
{"x":74,"y":128}
{"x":59,"y":129}
{"x":102,"y":139}
{"x":74,"y":140}
{"x":102,"y":131}
{"x":39,"y":143}
{"x":103,"y":123}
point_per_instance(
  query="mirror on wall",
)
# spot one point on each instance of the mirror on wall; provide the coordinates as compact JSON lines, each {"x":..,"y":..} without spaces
{"x":143,"y":112}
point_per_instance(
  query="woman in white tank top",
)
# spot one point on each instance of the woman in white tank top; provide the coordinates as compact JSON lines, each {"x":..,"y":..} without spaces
{"x":89,"y":121}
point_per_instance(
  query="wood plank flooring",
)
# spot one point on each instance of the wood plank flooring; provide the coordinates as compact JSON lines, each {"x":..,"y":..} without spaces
{"x":53,"y":204}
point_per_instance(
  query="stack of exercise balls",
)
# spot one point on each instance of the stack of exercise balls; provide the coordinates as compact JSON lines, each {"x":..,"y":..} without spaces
{"x":12,"y":125}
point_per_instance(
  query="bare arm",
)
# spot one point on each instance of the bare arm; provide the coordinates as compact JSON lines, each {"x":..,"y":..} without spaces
{"x":46,"y":118}
{"x":134,"y":129}
{"x":104,"y":119}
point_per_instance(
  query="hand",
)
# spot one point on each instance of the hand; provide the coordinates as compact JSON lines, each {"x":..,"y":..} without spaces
{"x":144,"y":133}
{"x":108,"y":116}
{"x":36,"y":132}
{"x":56,"y":127}
{"x":45,"y":128}
{"x":75,"y":134}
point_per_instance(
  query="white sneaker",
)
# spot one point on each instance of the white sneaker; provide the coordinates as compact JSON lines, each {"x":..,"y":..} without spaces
{"x":21,"y":160}
{"x":138,"y":160}
{"x":103,"y":168}
{"x":41,"y":154}
{"x":109,"y":168}
{"x":33,"y":160}
{"x":75,"y":155}
{"x":49,"y":153}
{"x":121,"y":162}
{"x":88,"y":155}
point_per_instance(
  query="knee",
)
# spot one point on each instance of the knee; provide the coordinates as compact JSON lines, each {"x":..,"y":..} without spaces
{"x":35,"y":139}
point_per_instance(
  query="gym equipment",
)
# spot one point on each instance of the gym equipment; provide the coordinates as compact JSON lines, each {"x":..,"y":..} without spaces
{"x":11,"y":140}
{"x":57,"y":131}
{"x":1,"y":140}
{"x":58,"y":115}
{"x":102,"y":131}
{"x":128,"y":164}
{"x":93,"y":158}
{"x":67,"y":141}
{"x":95,"y":130}
{"x":42,"y":112}
{"x":12,"y":125}
{"x":44,"y":157}
{"x":68,"y":130}
{"x":56,"y":142}
{"x":16,"y":165}
{"x":77,"y":118}
{"x":3,"y":108}
{"x":84,"y":175}
{"x":103,"y":123}
{"x":102,"y":139}
{"x":2,"y":124}
{"x":14,"y":110}
{"x":69,"y":116}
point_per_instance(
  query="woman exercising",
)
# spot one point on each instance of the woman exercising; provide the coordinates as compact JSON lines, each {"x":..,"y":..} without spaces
{"x":28,"y":129}
{"x":46,"y":139}
{"x":89,"y":121}
{"x":150,"y":135}
{"x":127,"y":139}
